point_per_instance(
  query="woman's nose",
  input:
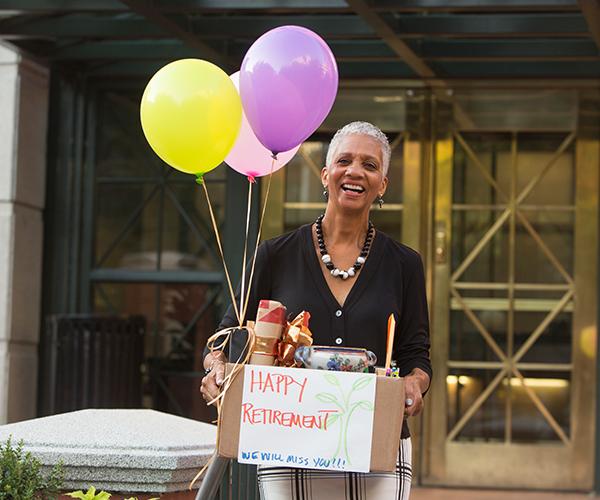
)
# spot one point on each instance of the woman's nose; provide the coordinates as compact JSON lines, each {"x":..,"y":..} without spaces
{"x":353,"y":169}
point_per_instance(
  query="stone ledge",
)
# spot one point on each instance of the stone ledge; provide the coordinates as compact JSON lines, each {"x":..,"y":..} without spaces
{"x":79,"y":474}
{"x":119,"y":450}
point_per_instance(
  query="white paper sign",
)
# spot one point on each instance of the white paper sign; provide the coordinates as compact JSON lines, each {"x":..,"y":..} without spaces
{"x":315,"y":419}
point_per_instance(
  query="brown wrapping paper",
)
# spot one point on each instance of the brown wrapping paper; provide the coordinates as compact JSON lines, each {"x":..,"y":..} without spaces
{"x":269,"y":325}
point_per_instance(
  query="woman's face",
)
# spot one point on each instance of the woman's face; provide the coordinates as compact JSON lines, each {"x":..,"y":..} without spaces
{"x":355,"y":176}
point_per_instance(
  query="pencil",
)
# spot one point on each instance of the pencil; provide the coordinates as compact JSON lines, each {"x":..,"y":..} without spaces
{"x":390,"y":340}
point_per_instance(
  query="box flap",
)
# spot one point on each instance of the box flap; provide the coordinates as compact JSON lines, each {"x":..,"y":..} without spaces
{"x":387,"y":423}
{"x":231,"y":415}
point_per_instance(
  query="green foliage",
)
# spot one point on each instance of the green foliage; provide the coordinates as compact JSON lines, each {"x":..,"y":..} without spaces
{"x":89,"y":494}
{"x":21,"y":477}
{"x":92,"y":495}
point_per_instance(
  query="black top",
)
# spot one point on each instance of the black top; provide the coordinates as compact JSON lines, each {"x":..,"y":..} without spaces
{"x":391,"y":281}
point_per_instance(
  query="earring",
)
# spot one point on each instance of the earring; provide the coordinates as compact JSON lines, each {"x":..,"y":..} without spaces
{"x":325,"y":193}
{"x":380,"y":200}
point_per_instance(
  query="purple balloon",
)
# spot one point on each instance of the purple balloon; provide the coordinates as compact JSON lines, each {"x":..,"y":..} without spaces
{"x":288,"y":82}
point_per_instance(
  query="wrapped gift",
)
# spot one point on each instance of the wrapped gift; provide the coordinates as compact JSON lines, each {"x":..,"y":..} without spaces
{"x":268,"y":328}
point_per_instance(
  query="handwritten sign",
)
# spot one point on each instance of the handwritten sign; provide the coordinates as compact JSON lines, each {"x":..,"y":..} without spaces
{"x":313,"y":419}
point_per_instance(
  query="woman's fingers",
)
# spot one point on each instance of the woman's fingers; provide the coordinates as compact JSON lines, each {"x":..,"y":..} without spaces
{"x":211,"y":383}
{"x":209,"y":389}
{"x":413,"y":405}
{"x":219,"y":370}
{"x":413,"y":399}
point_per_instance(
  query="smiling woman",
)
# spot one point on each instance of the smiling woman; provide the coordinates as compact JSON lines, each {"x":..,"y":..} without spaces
{"x":357,"y":172}
{"x":350,"y":277}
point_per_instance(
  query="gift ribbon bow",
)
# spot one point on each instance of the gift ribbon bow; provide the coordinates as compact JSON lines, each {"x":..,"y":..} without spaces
{"x":295,"y":335}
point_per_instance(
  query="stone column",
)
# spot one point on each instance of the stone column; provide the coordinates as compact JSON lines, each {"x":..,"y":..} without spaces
{"x":23,"y":128}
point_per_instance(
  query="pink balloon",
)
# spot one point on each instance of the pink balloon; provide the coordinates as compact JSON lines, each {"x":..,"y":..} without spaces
{"x":248,"y":156}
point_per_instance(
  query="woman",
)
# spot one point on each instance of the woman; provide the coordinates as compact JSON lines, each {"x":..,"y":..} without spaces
{"x":350,"y":277}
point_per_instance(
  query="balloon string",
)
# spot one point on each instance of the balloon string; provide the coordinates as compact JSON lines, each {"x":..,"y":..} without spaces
{"x":216,"y":229}
{"x":262,"y":218}
{"x":228,"y":332}
{"x":245,"y":254}
{"x":238,"y":366}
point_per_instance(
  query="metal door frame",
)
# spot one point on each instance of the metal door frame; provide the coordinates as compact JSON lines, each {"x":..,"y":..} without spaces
{"x":569,"y":464}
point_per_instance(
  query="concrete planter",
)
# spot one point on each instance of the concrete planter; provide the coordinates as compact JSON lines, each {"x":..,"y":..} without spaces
{"x":143,"y":452}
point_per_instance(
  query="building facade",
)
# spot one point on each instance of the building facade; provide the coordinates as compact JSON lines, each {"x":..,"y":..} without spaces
{"x":494,"y":180}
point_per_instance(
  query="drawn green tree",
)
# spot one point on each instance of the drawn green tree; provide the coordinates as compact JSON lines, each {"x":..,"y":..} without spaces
{"x":346,"y":408}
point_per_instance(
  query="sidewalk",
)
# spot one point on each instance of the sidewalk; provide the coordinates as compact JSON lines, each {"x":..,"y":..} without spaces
{"x":456,"y":494}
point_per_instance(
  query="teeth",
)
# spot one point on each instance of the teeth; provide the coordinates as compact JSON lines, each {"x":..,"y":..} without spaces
{"x":354,"y":187}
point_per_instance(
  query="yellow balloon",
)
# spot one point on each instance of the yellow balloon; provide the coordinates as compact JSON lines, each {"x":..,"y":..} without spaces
{"x":191,"y":115}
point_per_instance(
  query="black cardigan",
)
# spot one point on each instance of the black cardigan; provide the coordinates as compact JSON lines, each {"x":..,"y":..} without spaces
{"x":391,"y":281}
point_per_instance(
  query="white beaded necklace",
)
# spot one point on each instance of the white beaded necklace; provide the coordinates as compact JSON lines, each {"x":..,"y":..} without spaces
{"x":326,"y":258}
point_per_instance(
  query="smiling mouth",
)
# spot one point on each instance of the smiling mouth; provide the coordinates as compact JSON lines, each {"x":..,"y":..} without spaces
{"x":353,"y":188}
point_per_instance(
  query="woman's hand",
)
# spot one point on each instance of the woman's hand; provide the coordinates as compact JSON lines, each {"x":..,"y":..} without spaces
{"x":211,"y":383}
{"x":415,"y":384}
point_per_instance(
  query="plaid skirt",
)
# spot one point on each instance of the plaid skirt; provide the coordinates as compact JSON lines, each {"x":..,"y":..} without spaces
{"x":278,"y":483}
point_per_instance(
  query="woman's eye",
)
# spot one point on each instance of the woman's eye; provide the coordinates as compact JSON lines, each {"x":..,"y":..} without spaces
{"x":371,"y":166}
{"x":343,"y":161}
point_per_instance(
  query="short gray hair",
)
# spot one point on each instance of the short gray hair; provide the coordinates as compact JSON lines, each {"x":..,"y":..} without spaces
{"x":361,"y":128}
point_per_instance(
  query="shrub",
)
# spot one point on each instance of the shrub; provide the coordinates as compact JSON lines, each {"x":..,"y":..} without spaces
{"x":92,"y":495}
{"x":21,"y":477}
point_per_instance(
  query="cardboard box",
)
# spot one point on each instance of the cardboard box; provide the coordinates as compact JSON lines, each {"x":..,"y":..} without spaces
{"x":387,"y":421}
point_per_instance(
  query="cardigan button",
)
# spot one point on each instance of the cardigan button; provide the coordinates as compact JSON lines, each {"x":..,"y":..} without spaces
{"x":338,"y":313}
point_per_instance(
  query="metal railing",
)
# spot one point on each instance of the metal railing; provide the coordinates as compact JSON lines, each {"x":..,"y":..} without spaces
{"x":91,"y":361}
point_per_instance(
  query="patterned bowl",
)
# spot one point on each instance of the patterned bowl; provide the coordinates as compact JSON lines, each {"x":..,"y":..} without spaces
{"x":346,"y":359}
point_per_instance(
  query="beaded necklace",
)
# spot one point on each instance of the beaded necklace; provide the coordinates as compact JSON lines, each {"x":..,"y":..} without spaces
{"x":326,"y":258}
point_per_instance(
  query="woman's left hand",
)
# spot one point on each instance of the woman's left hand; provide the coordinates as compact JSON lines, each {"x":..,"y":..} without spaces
{"x":415,"y":384}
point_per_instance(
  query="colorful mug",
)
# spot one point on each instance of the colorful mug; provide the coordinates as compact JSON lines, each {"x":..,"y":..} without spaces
{"x":345,"y":359}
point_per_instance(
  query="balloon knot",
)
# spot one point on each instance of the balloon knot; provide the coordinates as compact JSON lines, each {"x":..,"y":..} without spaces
{"x":274,"y":155}
{"x":199,"y":179}
{"x":252,"y":179}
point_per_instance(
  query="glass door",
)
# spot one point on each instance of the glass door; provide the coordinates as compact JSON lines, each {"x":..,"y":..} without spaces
{"x":514,"y":293}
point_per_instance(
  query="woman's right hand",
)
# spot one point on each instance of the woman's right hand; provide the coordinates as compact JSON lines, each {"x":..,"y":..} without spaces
{"x":211,"y":383}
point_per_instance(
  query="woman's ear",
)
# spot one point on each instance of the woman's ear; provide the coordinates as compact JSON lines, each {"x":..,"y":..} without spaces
{"x":384,"y":184}
{"x":324,"y":176}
